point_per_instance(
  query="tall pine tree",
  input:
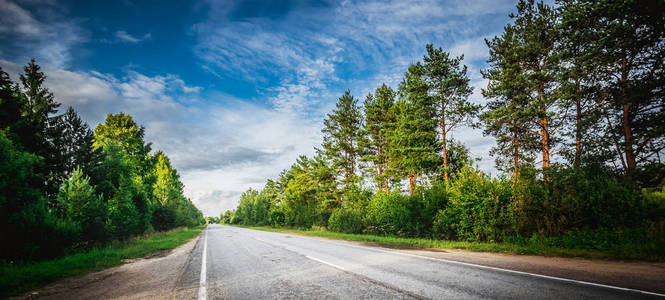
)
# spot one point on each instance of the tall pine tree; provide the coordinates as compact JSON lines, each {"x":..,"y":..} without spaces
{"x":506,"y":116}
{"x":380,"y":120}
{"x":449,"y":85}
{"x":624,"y":47}
{"x":415,"y":136}
{"x":341,"y":136}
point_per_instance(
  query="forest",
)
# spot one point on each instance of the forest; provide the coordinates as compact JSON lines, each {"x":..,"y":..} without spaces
{"x":66,"y":188}
{"x":576,"y":103}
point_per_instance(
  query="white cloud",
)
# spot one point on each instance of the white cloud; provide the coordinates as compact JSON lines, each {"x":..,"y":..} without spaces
{"x":219,"y":149}
{"x":16,"y":20}
{"x":123,"y":36}
{"x":301,"y":63}
{"x":41,"y":33}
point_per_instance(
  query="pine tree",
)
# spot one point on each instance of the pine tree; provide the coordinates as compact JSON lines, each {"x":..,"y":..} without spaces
{"x":536,"y":36}
{"x":12,"y":109}
{"x":449,"y":84}
{"x":40,"y":135}
{"x":414,"y":137}
{"x":79,"y":202}
{"x":380,"y":120}
{"x":341,"y":136}
{"x":506,"y":116}
{"x":624,"y":48}
{"x":73,"y":142}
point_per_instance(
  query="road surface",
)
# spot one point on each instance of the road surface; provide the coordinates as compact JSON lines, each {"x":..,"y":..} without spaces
{"x":237,"y":263}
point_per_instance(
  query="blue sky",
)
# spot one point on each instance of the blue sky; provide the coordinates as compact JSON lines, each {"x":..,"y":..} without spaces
{"x":234,"y":91}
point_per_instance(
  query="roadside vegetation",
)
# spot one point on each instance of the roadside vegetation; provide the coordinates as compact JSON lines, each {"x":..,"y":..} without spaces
{"x":65,"y":188}
{"x":575,"y":102}
{"x":20,"y":277}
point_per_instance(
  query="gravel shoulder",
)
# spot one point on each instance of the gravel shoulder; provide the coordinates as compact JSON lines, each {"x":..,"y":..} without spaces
{"x":153,"y":277}
{"x":647,"y":276}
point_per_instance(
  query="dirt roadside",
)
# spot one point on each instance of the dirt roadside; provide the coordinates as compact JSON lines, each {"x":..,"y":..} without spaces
{"x":154,"y":277}
{"x":646,"y":276}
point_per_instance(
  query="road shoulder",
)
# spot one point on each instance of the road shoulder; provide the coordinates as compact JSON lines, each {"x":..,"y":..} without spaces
{"x":153,"y":277}
{"x":647,"y":276}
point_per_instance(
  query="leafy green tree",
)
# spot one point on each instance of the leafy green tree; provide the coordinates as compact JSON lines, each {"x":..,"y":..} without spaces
{"x":120,"y":138}
{"x":415,"y":136}
{"x":226,"y":217}
{"x":22,"y":205}
{"x":341,"y":135}
{"x":380,"y":119}
{"x":449,"y":86}
{"x":167,"y":188}
{"x":122,"y":129}
{"x":121,"y":188}
{"x":124,"y":218}
{"x":79,"y":202}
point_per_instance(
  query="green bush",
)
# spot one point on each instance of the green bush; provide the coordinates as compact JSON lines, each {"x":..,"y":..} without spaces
{"x":346,"y":220}
{"x":394,"y":213}
{"x":479,"y":209}
{"x":163,"y":218}
{"x":589,"y":197}
{"x":79,"y":203}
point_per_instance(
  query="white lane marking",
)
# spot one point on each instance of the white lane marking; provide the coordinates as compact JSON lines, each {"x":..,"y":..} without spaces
{"x":202,"y":282}
{"x":479,"y":266}
{"x":526,"y":273}
{"x":325,"y":263}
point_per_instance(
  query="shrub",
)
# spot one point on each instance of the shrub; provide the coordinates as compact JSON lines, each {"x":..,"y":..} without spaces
{"x":276,"y":216}
{"x":589,"y":197}
{"x":394,"y":214}
{"x":78,"y":203}
{"x":479,"y":209}
{"x":346,"y":220}
{"x":163,"y":218}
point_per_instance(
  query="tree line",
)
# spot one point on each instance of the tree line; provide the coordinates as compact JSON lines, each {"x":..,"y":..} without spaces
{"x":66,"y":188}
{"x":575,"y":102}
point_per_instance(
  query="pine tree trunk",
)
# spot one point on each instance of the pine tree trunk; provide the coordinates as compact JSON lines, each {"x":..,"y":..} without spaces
{"x":445,"y":153}
{"x":346,"y":170}
{"x":544,"y":134}
{"x":380,"y":168}
{"x":515,"y":155}
{"x":385,"y":177}
{"x":627,"y":120}
{"x":352,"y":156}
{"x":578,"y":126}
{"x":411,"y":182}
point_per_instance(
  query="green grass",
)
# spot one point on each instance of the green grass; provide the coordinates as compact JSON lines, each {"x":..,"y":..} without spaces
{"x":653,"y":252}
{"x":18,"y":278}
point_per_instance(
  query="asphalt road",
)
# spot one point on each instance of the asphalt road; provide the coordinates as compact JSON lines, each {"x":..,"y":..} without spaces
{"x":241,"y":263}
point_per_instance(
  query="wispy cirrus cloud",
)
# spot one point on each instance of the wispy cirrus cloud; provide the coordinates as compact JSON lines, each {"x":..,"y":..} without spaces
{"x":123,"y":36}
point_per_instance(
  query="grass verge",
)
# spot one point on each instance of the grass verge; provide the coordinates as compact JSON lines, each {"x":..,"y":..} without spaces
{"x":18,"y":278}
{"x":522,"y":247}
